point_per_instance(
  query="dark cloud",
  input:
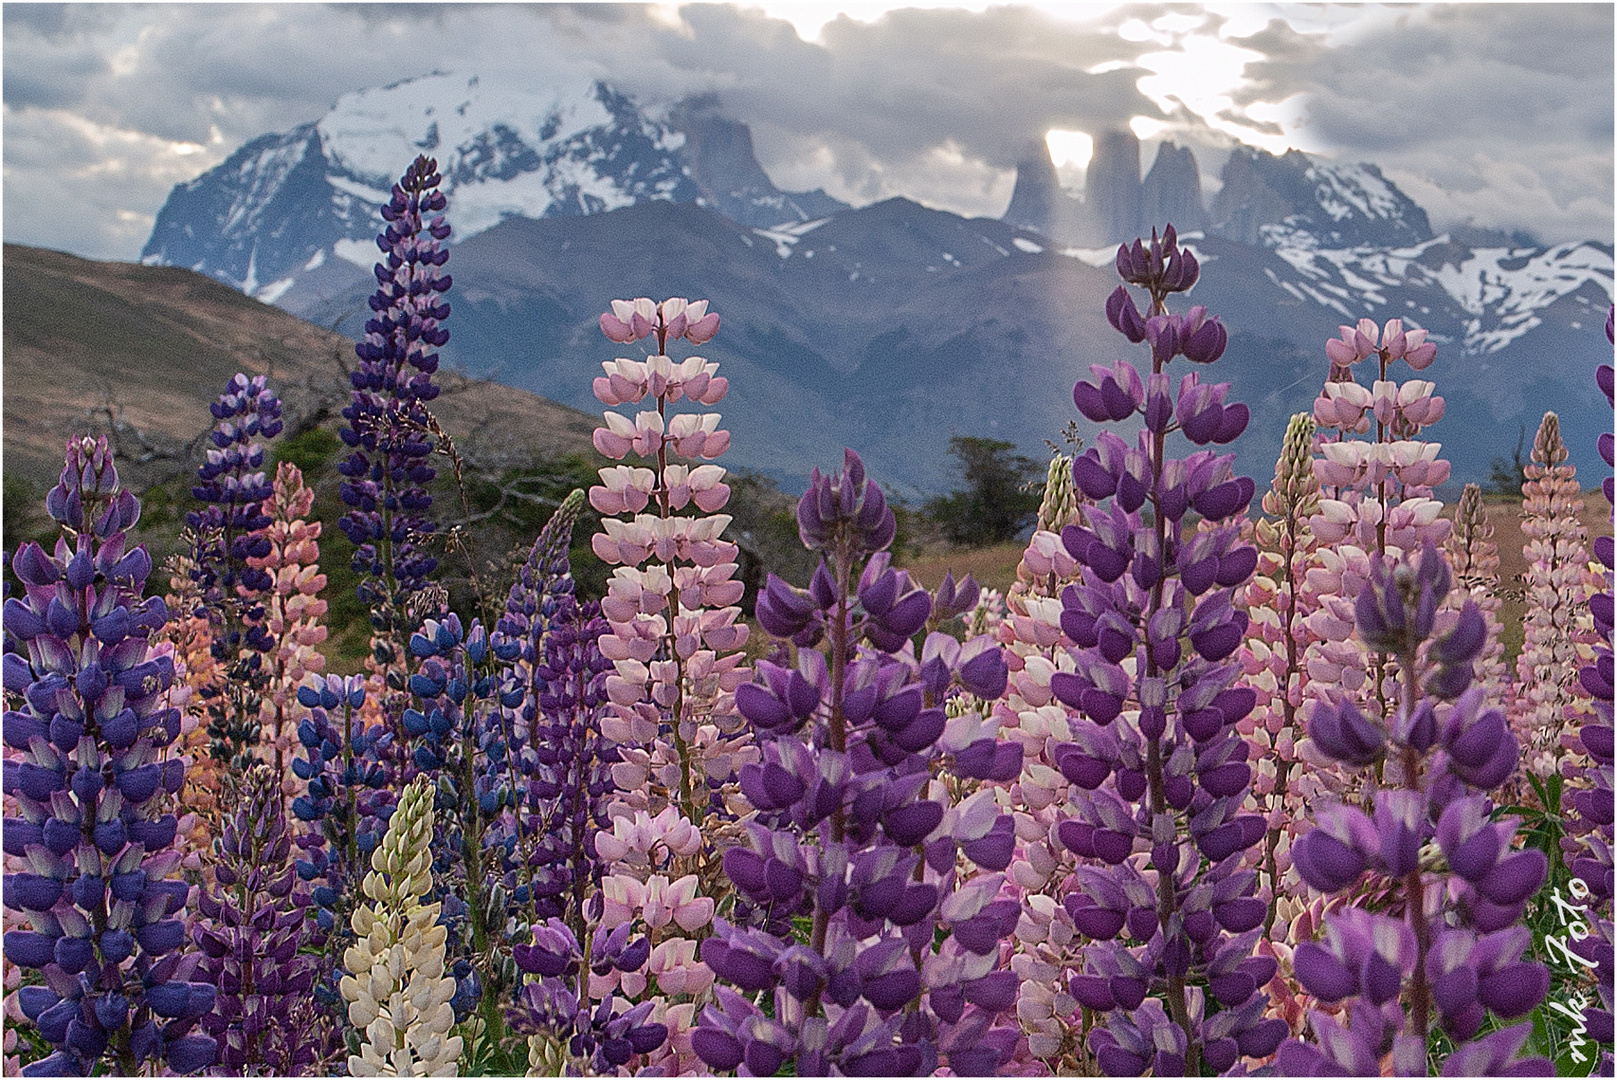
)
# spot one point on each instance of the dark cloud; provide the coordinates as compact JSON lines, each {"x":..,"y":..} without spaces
{"x":1478,"y":110}
{"x":1498,"y":113}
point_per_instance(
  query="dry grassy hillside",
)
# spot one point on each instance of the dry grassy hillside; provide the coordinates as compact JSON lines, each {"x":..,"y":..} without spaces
{"x":140,"y":351}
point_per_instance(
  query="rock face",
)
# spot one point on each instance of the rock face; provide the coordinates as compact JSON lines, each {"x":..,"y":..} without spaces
{"x":1038,"y":201}
{"x":285,"y":205}
{"x":1112,"y":189}
{"x":1172,"y":191}
{"x":722,"y":164}
{"x":1338,"y":205}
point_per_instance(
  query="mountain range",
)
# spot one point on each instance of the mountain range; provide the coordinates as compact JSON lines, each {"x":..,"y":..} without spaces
{"x":889,"y":327}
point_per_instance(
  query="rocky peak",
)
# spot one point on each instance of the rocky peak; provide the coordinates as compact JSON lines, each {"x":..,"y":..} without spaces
{"x":1038,"y":201}
{"x":1266,"y":198}
{"x":1172,"y":191}
{"x":720,"y":160}
{"x":1112,"y":188}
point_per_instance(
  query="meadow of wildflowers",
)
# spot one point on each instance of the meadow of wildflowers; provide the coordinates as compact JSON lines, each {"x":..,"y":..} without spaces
{"x":1228,"y":782}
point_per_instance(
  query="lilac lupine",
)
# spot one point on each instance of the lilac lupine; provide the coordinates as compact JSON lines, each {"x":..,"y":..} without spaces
{"x":853,"y":832}
{"x":565,"y":1036}
{"x":1454,"y":952}
{"x":1167,"y":777}
{"x":93,"y":793}
{"x":227,"y":533}
{"x":387,"y":474}
{"x":252,"y":933}
{"x":1590,"y":846}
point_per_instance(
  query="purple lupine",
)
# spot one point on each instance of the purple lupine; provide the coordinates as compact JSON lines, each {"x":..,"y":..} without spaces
{"x":554,"y":1004}
{"x":573,"y":774}
{"x":227,"y":532}
{"x":90,"y":788}
{"x":386,"y":476}
{"x":557,"y":759}
{"x":1454,"y":953}
{"x":1155,"y":751}
{"x":1589,"y":848}
{"x":852,"y":831}
{"x":252,"y":933}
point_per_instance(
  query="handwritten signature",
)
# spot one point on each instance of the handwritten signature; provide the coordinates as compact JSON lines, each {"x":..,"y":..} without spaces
{"x":1572,"y":922}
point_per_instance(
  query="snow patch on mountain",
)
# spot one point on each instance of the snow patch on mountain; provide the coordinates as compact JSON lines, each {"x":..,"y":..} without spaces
{"x":450,"y":117}
{"x":785,"y":237}
{"x":1343,"y":190}
{"x":1503,"y":289}
{"x":1500,"y":290}
{"x":362,"y":253}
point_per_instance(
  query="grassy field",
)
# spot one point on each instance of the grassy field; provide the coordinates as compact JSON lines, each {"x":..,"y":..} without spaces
{"x":995,"y":567}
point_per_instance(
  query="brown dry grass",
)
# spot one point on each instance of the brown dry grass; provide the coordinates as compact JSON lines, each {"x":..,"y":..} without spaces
{"x":995,"y":567}
{"x":87,"y":342}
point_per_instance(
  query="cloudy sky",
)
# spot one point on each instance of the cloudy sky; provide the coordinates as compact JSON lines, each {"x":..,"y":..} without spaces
{"x":1494,"y":114}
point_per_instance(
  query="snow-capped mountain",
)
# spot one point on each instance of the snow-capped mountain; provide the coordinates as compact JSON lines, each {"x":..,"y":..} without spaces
{"x":890,"y":327}
{"x":1500,"y":292}
{"x":1339,"y":204}
{"x":284,"y":204}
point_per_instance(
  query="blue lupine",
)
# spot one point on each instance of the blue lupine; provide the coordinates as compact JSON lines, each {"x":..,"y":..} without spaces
{"x":553,"y":1003}
{"x":559,"y":764}
{"x":226,"y":533}
{"x":464,"y":684}
{"x":93,"y":794}
{"x":347,"y":800}
{"x":252,"y":936}
{"x":386,"y":475}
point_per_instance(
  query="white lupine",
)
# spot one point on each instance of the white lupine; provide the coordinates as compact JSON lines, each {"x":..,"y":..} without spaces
{"x":397,"y":993}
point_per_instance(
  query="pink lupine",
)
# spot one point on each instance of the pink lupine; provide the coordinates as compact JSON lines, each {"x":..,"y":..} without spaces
{"x":1475,"y":558}
{"x":674,"y":588}
{"x":293,"y":608}
{"x":1376,"y":498}
{"x":1559,"y":585}
{"x":1272,"y":659}
{"x":655,"y":900}
{"x":640,"y":839}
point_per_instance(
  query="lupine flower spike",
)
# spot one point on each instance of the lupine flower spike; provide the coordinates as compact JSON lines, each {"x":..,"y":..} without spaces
{"x":1455,"y":953}
{"x":397,"y":991}
{"x":387,"y":474}
{"x":674,"y":640}
{"x":108,"y":932}
{"x":1559,"y":585}
{"x":293,"y":609}
{"x":229,"y":538}
{"x":854,"y":835}
{"x":1272,"y":657}
{"x":252,"y":934}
